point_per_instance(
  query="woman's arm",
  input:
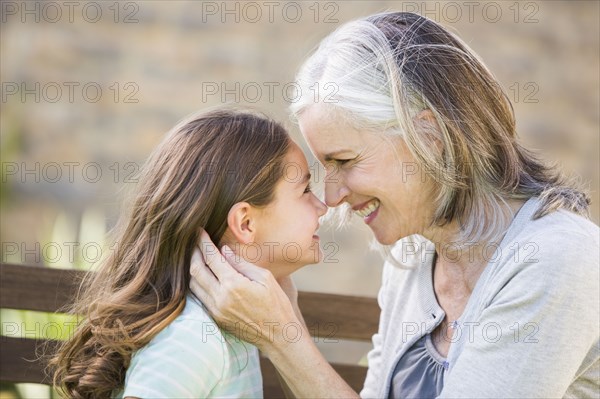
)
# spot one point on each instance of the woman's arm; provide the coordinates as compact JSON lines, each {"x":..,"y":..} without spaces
{"x":240,"y":296}
{"x":307,"y":373}
{"x":287,"y":285}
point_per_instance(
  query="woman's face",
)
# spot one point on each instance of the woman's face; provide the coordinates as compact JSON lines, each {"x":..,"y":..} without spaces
{"x":375,"y":175}
{"x":286,"y":228}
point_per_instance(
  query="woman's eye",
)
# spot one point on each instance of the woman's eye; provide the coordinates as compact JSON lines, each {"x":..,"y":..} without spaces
{"x":308,"y":189}
{"x":343,"y":161}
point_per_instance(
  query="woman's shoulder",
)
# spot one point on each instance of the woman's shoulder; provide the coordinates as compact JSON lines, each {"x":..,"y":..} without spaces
{"x":561,"y":235}
{"x":557,"y":254}
{"x":566,"y":222}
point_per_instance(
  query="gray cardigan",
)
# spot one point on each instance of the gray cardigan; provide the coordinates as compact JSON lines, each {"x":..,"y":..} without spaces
{"x":531,"y":327}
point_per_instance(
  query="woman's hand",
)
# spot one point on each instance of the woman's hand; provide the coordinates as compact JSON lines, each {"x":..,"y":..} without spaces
{"x":243,"y":298}
{"x":287,"y":285}
{"x":247,"y":301}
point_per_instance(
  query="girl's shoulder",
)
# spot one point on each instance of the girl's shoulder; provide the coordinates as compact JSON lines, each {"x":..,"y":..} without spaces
{"x":185,"y":359}
{"x":193,"y":328}
{"x":193,"y":333}
{"x":194,"y":311}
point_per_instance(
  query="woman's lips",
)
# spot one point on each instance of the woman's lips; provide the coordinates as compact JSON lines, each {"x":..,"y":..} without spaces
{"x":372,"y":216}
{"x":367,"y":209}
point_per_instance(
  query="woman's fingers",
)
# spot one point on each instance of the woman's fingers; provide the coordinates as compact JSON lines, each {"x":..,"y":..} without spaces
{"x":287,"y":285}
{"x":200,"y":273}
{"x":214,"y":260}
{"x":236,"y":292}
{"x":203,"y":284}
{"x":203,"y":295}
{"x":249,"y":270}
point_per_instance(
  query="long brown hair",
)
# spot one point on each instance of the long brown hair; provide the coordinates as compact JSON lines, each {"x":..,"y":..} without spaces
{"x":203,"y":166}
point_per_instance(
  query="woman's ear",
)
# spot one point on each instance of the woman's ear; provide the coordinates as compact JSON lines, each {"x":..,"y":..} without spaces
{"x":241,"y":223}
{"x":426,"y":122}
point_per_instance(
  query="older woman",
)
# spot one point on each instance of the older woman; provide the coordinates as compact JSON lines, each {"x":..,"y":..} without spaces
{"x":492,"y":287}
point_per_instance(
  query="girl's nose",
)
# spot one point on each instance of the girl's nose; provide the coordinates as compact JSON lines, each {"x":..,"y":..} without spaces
{"x":321,"y":207}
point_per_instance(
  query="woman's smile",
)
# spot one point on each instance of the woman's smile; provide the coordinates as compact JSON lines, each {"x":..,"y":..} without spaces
{"x":368,"y":211}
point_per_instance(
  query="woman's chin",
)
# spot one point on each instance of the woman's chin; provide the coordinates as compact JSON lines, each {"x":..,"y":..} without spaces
{"x":385,"y":238}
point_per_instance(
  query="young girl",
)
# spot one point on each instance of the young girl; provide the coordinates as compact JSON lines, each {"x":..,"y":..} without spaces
{"x":242,"y":179}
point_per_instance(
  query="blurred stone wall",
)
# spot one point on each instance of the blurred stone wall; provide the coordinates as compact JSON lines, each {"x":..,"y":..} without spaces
{"x":90,"y":88}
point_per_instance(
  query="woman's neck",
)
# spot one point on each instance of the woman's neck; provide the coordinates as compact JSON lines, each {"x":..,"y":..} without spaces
{"x":458,"y":267}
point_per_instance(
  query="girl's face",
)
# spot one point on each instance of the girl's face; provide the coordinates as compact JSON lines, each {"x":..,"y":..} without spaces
{"x":375,"y":175}
{"x":285,"y":237}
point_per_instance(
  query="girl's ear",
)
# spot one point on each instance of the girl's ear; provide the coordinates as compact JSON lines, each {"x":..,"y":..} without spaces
{"x":241,"y":222}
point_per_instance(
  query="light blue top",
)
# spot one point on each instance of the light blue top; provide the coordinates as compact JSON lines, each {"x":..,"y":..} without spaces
{"x":193,"y":358}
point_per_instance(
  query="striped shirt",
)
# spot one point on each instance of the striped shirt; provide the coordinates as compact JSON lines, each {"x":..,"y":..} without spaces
{"x":193,"y":358}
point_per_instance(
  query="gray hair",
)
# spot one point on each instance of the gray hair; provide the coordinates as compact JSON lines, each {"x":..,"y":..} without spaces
{"x":386,"y":68}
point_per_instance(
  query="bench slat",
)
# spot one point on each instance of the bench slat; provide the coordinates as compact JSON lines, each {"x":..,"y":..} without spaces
{"x":49,"y":290}
{"x":19,"y":361}
{"x":38,"y":288}
{"x":339,"y":316}
{"x":353,"y":375}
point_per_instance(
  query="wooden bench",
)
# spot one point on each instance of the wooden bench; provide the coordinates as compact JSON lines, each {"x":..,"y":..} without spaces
{"x":49,"y":289}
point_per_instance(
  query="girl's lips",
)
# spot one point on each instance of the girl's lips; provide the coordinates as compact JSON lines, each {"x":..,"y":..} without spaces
{"x":316,"y":237}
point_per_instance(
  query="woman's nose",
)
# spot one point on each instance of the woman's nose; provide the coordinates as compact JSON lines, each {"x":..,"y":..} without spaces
{"x":335,"y":191}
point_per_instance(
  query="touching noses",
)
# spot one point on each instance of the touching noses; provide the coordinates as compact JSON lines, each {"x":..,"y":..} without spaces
{"x":321,"y":207}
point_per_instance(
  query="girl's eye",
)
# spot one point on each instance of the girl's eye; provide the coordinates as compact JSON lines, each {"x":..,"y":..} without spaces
{"x":308,"y":189}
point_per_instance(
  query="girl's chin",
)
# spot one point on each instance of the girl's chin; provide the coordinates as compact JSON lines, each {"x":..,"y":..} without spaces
{"x":288,"y":268}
